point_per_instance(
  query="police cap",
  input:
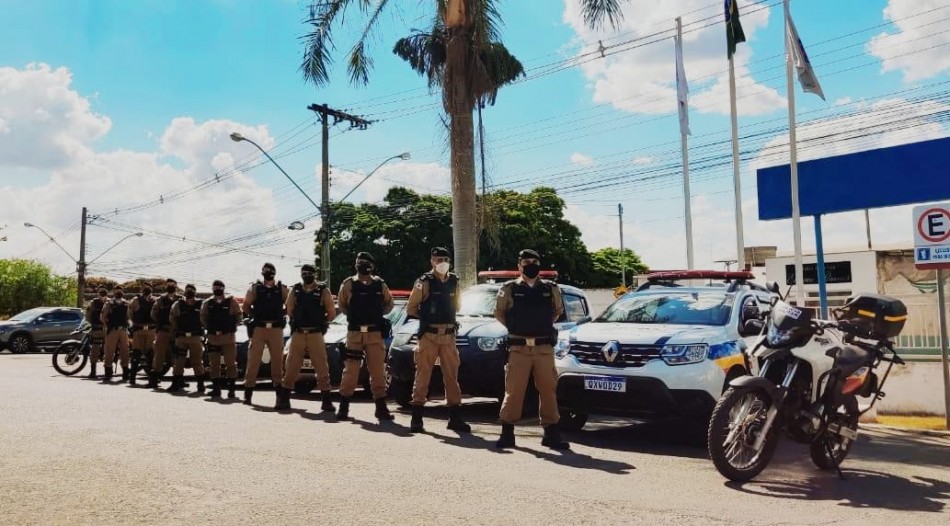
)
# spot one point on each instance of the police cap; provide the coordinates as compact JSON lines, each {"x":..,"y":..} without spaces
{"x":269,"y":266}
{"x":366,"y":256}
{"x":528,"y":254}
{"x":440,"y":252}
{"x":190,"y":286}
{"x":217,"y":283}
{"x":308,"y":268}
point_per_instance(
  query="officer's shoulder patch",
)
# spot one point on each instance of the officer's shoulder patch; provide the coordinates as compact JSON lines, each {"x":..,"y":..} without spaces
{"x":419,"y":283}
{"x":426,"y":277}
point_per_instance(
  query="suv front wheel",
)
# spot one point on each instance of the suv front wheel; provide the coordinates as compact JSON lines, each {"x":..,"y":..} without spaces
{"x":572,"y":420}
{"x":20,"y":343}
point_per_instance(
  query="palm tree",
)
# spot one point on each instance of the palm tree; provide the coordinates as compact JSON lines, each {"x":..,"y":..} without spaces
{"x":463,"y":56}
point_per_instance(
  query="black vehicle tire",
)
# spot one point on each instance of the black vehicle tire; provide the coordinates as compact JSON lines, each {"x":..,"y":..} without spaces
{"x":725,"y":458}
{"x":72,"y":358}
{"x":305,"y":386}
{"x":20,"y":343}
{"x":399,"y":391}
{"x":572,"y":420}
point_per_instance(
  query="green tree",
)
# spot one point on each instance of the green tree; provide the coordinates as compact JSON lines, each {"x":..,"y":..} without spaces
{"x":26,"y":284}
{"x":462,"y":55}
{"x":607,"y":263}
{"x":93,"y":283}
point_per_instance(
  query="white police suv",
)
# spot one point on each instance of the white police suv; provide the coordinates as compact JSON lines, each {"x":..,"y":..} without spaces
{"x":668,"y":349}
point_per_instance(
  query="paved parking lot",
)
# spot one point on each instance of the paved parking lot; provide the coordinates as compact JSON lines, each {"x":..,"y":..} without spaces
{"x":77,"y":452}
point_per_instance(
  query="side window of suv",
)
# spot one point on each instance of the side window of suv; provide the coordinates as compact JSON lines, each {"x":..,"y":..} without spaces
{"x":59,"y":317}
{"x":574,"y":307}
{"x":750,"y":309}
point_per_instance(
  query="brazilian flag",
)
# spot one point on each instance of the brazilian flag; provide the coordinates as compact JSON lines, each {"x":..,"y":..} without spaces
{"x":734,"y":33}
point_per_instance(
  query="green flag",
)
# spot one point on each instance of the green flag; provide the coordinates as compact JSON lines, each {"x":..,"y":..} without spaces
{"x":734,"y":33}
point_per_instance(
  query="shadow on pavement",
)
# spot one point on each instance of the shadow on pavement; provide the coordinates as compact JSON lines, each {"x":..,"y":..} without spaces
{"x":860,"y":489}
{"x":467,"y":441}
{"x":574,"y":459}
{"x":670,"y":438}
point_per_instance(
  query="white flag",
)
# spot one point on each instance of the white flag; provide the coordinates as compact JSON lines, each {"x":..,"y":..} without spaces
{"x":682,"y":88}
{"x":799,"y":58}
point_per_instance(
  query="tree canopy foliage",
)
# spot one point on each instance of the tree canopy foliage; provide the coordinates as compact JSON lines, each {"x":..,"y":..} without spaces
{"x":25,"y":284}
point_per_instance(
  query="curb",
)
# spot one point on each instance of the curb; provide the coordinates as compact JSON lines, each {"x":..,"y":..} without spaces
{"x":923,"y":432}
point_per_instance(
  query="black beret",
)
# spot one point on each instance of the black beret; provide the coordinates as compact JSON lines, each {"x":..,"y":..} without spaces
{"x":217,"y":283}
{"x":528,"y":254}
{"x":366,"y":256}
{"x":270,"y":266}
{"x":308,"y":268}
{"x":441,"y":252}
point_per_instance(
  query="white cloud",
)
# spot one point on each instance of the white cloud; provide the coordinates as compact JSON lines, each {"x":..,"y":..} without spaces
{"x":916,"y":47}
{"x":643,"y":160}
{"x":641,"y":80}
{"x":843,"y":101}
{"x":580,"y":159}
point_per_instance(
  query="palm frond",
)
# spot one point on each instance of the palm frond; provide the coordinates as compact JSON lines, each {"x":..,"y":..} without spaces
{"x":360,"y":64}
{"x":596,"y":12}
{"x":500,"y":67}
{"x":425,"y":54}
{"x":318,"y":44}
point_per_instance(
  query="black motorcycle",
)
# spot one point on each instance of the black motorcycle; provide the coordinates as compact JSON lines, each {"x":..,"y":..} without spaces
{"x":72,"y":355}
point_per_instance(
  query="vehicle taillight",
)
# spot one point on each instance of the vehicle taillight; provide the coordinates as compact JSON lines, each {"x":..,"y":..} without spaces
{"x":856,"y":380}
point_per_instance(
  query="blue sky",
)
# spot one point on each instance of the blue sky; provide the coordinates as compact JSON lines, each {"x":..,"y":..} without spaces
{"x":143,"y":64}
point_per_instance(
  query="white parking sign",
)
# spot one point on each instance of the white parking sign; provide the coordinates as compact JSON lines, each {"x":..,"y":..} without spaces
{"x":932,"y":236}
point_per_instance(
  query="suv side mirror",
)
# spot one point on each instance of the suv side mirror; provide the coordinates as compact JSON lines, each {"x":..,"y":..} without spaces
{"x":772,"y":286}
{"x":752,"y":328}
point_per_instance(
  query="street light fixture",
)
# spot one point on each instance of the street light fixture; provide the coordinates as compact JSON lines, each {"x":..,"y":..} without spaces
{"x":237,"y":137}
{"x":51,"y":238}
{"x":296,"y":225}
{"x":405,"y":156}
{"x":137,"y":234}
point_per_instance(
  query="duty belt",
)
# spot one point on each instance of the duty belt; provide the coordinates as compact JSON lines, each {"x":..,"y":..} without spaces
{"x":531,"y":342}
{"x":188,"y":334}
{"x":97,"y":327}
{"x":117,"y":327}
{"x":443,"y":330}
{"x":142,"y":327}
{"x":307,"y":330}
{"x":267,"y":324}
{"x":364,"y":328}
{"x":220,"y":333}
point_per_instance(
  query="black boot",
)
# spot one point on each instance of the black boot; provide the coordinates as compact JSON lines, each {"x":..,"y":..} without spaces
{"x":231,"y":388}
{"x":507,"y":438}
{"x":92,"y":373}
{"x":134,"y":371}
{"x":178,"y":383}
{"x":382,"y":410}
{"x":248,"y":394}
{"x":152,"y":380}
{"x":552,"y":438}
{"x":455,"y":420}
{"x":125,"y":374}
{"x":216,"y":388}
{"x":415,"y":425}
{"x":283,"y":399}
{"x":344,"y":412}
{"x":107,"y":377}
{"x":201,"y":382}
{"x":327,"y":405}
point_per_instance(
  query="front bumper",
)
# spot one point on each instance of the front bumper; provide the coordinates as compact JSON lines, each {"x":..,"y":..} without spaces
{"x":481,"y":373}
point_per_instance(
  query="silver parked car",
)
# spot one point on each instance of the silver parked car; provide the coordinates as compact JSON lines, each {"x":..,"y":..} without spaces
{"x":39,"y":328}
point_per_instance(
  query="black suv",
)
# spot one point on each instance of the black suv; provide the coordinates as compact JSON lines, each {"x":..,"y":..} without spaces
{"x":39,"y":328}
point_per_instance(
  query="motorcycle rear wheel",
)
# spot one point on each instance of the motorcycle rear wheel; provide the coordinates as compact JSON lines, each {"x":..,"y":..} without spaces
{"x":68,"y":359}
{"x":743,"y":410}
{"x":840,"y":447}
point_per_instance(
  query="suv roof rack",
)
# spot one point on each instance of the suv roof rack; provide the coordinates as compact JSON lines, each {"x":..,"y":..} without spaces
{"x":493,"y":276}
{"x":734,"y":279}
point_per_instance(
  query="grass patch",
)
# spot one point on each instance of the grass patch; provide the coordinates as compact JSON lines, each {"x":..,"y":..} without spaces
{"x":932,"y":423}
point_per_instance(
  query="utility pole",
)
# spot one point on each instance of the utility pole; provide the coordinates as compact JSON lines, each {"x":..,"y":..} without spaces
{"x":325,"y":112}
{"x":623,"y":259}
{"x":81,"y":264}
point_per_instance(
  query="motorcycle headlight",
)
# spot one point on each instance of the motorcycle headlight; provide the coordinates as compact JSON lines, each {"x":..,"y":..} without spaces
{"x":562,"y":347}
{"x":684,"y":354}
{"x":775,"y":337}
{"x":488,"y":344}
{"x":401,"y":338}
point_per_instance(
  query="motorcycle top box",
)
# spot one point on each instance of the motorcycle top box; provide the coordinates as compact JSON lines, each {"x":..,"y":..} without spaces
{"x":881,"y":317}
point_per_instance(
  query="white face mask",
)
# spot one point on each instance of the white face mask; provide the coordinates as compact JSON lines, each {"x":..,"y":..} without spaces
{"x":443,"y":268}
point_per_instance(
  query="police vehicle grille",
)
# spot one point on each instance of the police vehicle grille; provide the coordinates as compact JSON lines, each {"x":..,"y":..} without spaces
{"x":628,"y":355}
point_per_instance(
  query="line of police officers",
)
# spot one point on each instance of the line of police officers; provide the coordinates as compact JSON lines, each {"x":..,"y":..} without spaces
{"x":527,"y":306}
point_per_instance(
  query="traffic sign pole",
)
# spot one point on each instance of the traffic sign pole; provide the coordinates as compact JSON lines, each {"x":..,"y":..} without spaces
{"x":945,"y":357}
{"x":932,"y":251}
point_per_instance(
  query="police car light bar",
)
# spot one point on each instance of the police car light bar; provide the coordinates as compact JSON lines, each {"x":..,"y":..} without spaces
{"x":701,"y":274}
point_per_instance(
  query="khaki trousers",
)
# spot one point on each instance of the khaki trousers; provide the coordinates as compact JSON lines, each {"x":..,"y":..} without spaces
{"x":96,"y":340}
{"x":522,"y":362}
{"x":218,"y":345}
{"x":192,"y":346}
{"x":117,"y":338}
{"x":301,"y":345}
{"x":161,"y":346}
{"x":371,"y":347}
{"x":273,"y":339}
{"x":434,"y":347}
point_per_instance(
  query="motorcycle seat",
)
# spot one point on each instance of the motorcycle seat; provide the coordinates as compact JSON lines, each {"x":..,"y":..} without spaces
{"x":850,"y":358}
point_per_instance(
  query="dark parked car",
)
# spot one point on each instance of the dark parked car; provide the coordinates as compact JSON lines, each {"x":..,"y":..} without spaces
{"x":481,"y":342}
{"x":39,"y":328}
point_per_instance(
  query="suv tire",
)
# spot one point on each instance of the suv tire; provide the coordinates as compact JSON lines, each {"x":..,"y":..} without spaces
{"x":572,"y":420}
{"x":20,"y":343}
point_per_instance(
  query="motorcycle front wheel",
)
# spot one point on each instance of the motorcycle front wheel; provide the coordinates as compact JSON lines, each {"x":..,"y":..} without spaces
{"x":68,"y":359}
{"x":736,"y":425}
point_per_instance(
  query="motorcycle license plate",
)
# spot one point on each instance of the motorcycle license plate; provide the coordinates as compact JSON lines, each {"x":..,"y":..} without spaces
{"x":613,"y":384}
{"x":307,"y":364}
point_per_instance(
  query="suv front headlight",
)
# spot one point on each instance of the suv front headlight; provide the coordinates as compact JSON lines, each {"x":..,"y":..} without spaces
{"x":401,"y":338}
{"x":488,"y":344}
{"x":562,"y":347}
{"x":684,"y":354}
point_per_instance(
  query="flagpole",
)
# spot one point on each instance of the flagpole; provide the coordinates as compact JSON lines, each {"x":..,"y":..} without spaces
{"x":685,"y":148}
{"x":736,"y":180}
{"x":793,"y":165}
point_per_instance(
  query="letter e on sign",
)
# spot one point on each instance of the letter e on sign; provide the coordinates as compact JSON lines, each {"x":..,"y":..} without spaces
{"x":932,"y":236}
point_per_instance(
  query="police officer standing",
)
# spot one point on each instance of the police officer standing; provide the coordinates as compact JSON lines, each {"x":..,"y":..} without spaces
{"x":310,"y":309}
{"x":186,"y":324}
{"x":143,"y":329}
{"x":528,"y":307}
{"x":161,"y":315}
{"x":220,"y":315}
{"x":264,"y":303}
{"x":365,"y":299}
{"x":115,"y":318}
{"x":97,"y":334}
{"x":434,"y":300}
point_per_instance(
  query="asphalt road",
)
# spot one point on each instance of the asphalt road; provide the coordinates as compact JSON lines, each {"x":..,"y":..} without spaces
{"x":78,"y":452}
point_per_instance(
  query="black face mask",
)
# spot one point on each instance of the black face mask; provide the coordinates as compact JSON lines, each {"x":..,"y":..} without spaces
{"x":118,"y":295}
{"x":308,"y":278}
{"x":268,"y":274}
{"x":103,"y":295}
{"x":364,"y":268}
{"x":531,"y":270}
{"x":218,"y":291}
{"x":171,"y":289}
{"x":147,"y":292}
{"x":189,"y":294}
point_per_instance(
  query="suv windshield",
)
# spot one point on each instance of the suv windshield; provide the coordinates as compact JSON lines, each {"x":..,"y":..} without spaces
{"x":28,"y":315}
{"x":479,"y":302}
{"x":677,"y":308}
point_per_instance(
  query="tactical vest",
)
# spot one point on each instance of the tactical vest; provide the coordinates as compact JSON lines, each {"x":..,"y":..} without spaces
{"x":366,"y":303}
{"x":97,"y":305}
{"x":532,"y":309}
{"x":439,"y":306}
{"x":189,"y":317}
{"x":163,"y":314}
{"x":143,"y":315}
{"x":119,"y":314}
{"x":308,"y":307}
{"x":220,"y":318}
{"x":269,"y":304}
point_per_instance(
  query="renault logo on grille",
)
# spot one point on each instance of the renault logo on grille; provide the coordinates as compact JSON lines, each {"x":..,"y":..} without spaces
{"x":611,"y":349}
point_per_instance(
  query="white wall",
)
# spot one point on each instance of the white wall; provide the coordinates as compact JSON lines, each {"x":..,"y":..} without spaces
{"x":863,"y":275}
